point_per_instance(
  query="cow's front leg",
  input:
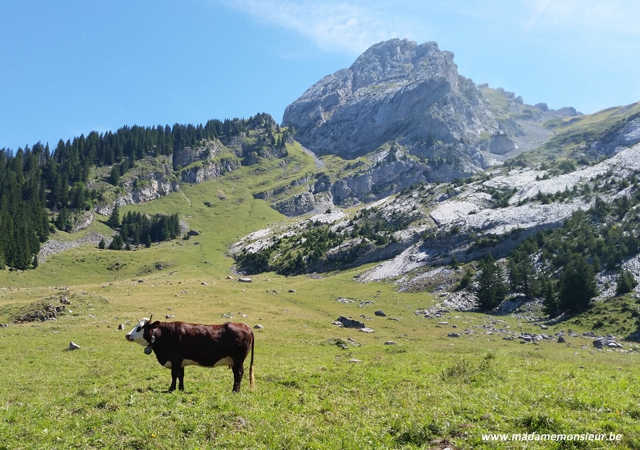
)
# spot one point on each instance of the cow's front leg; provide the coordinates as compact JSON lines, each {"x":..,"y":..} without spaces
{"x":238,"y":370}
{"x":177,"y":372}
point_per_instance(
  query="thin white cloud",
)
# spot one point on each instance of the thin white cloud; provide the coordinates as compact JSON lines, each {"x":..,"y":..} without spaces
{"x":539,"y":8}
{"x":616,"y":17}
{"x":349,"y":27}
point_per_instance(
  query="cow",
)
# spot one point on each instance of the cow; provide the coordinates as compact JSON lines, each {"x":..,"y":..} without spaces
{"x":180,"y":344}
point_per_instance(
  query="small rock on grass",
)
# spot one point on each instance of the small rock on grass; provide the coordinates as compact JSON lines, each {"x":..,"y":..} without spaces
{"x":72,"y":346}
{"x":241,"y":423}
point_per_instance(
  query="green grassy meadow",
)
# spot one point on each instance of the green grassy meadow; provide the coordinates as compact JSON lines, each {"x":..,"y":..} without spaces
{"x":427,"y":391}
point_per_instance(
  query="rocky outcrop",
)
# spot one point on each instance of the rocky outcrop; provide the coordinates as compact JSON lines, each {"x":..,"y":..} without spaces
{"x":81,"y":221}
{"x":182,"y":157}
{"x":208,"y":170}
{"x":378,"y":182}
{"x":149,"y":188}
{"x":53,"y":246}
{"x":619,"y":136}
{"x":396,"y":91}
{"x":501,"y":144}
{"x":296,"y":205}
{"x":303,"y":203}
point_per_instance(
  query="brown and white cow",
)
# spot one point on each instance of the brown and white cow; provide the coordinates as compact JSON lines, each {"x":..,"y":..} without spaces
{"x":180,"y":344}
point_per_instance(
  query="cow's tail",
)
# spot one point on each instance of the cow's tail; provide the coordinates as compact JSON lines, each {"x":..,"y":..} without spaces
{"x":252,"y":381}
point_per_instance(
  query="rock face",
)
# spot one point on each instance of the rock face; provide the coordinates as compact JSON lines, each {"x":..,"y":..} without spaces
{"x":396,"y":91}
{"x":211,"y":164}
{"x":147,"y":188}
{"x":620,"y":136}
{"x":186,"y":155}
{"x":209,"y":170}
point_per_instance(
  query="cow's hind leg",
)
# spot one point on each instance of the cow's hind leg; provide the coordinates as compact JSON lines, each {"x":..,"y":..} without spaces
{"x":181,"y":379}
{"x":238,"y":371}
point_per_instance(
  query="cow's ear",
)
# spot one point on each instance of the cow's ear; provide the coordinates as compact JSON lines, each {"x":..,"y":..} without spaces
{"x":153,"y":335}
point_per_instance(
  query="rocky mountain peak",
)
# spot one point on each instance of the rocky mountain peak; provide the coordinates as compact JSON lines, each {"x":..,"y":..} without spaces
{"x":397,"y":60}
{"x":396,"y":91}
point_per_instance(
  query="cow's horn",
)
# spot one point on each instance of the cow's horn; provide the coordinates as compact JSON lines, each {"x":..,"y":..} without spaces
{"x":150,"y":317}
{"x":138,"y":320}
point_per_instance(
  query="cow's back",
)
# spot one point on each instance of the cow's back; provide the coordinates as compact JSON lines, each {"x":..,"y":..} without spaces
{"x":203,"y":344}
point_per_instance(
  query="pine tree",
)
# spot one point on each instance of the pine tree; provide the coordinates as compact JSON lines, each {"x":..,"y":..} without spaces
{"x":522,"y":274}
{"x":63,"y":221}
{"x":492,"y":288}
{"x":114,"y":177}
{"x":577,"y":284}
{"x":102,"y":244}
{"x":117,"y":243}
{"x":114,"y":218}
{"x":626,"y":282}
{"x":550,"y":301}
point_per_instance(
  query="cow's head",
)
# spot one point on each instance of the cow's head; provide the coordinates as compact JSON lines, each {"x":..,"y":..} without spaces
{"x":142,"y":333}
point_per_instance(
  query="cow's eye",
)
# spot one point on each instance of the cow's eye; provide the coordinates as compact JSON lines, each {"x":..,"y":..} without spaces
{"x":138,"y":330}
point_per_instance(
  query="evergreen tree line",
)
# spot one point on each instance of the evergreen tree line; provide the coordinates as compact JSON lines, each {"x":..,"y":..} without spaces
{"x":560,"y":265}
{"x":138,"y":228}
{"x":23,"y":216}
{"x":75,"y":157}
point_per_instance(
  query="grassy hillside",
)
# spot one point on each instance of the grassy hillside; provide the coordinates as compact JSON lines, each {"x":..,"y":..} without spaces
{"x":426,"y":391}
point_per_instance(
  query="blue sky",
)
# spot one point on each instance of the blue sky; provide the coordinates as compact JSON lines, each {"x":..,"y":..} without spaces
{"x":72,"y":66}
